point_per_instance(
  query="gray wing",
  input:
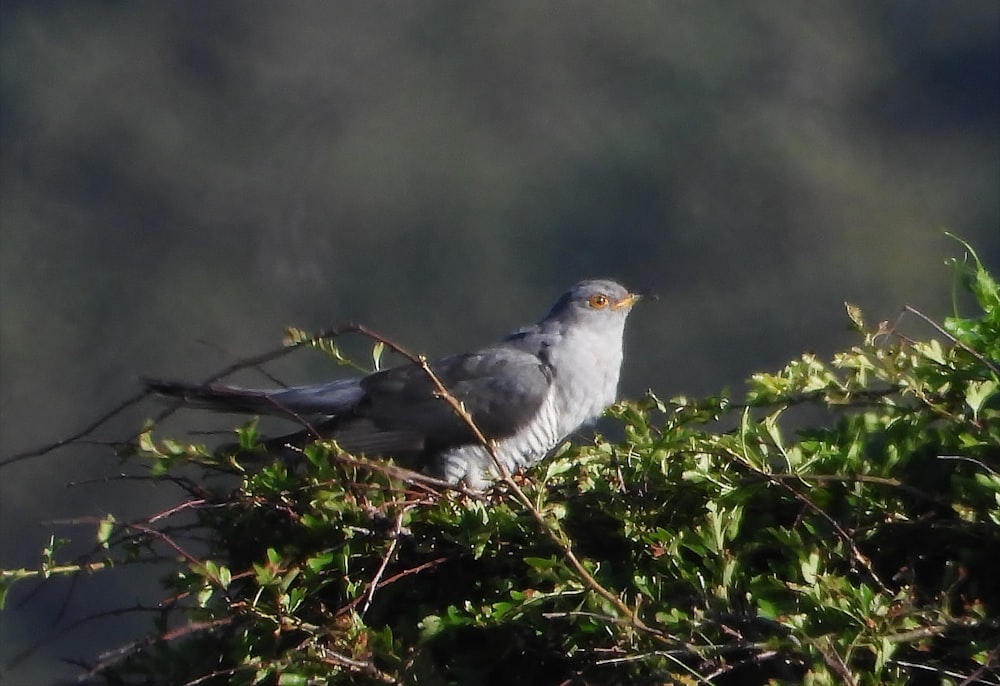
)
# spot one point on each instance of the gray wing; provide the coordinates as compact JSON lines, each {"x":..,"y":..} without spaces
{"x":502,"y":388}
{"x":396,"y":410}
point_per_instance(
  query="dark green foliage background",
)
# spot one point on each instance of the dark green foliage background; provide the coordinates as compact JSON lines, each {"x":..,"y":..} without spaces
{"x":181,"y":181}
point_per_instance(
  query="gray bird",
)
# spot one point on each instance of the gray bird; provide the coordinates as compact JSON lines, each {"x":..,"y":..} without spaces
{"x":525,"y":393}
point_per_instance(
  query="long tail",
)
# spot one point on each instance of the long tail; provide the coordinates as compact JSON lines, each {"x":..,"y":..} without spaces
{"x":331,"y":399}
{"x":326,"y":410}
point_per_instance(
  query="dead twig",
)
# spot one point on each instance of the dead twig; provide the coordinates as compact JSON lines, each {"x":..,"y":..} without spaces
{"x":373,"y":584}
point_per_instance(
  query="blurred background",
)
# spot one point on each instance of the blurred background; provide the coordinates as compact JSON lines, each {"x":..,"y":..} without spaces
{"x":181,"y":181}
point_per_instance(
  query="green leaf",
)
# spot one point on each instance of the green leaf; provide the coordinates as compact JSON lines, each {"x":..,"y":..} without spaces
{"x":377,"y":350}
{"x":225,"y":576}
{"x":104,"y":530}
{"x":541,"y":562}
{"x":146,"y":443}
{"x":978,"y":392}
{"x":854,"y":313}
{"x":320,"y":562}
{"x":982,"y":285}
{"x":810,"y":567}
{"x":430,"y":626}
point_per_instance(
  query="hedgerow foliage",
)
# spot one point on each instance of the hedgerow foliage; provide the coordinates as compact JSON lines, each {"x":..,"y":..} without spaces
{"x":838,"y":524}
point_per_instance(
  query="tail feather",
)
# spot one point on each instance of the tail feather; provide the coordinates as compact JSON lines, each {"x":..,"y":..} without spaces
{"x":328,"y":410}
{"x":331,"y":399}
{"x":218,"y":398}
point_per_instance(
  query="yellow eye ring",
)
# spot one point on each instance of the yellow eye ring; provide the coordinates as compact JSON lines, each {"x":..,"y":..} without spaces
{"x":599,"y":301}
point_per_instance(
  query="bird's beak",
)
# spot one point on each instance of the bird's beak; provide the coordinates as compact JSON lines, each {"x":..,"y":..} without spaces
{"x":628,"y":301}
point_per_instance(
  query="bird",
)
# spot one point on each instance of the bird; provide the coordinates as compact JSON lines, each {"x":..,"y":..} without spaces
{"x":525,"y":394}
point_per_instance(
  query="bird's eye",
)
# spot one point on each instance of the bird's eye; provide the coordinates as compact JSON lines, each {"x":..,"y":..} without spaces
{"x":598,"y":301}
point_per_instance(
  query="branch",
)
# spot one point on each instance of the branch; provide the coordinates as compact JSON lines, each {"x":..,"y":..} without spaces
{"x":940,"y":329}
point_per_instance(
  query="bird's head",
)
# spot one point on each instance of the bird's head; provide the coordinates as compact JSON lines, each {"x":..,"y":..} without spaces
{"x":595,"y":301}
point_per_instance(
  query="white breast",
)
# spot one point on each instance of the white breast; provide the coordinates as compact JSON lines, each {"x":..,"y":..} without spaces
{"x":574,"y":399}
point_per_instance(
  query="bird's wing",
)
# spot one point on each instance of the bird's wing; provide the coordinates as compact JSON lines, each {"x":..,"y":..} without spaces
{"x":397,"y":410}
{"x":501,"y":387}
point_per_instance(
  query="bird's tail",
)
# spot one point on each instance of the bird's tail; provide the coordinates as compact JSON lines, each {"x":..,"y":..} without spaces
{"x":325,"y":410}
{"x":331,"y":399}
{"x":218,"y":398}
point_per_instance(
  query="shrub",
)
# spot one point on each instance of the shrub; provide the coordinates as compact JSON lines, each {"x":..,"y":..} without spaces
{"x":838,"y":524}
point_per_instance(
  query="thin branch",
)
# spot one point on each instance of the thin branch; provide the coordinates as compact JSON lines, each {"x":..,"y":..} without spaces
{"x":978,"y":463}
{"x":186,"y":505}
{"x":856,"y":553}
{"x":373,"y":584}
{"x":251,"y":362}
{"x":184,"y":483}
{"x":860,"y":557}
{"x":116,"y":656}
{"x":234,"y":356}
{"x":861,"y":478}
{"x":63,"y":630}
{"x":940,"y":329}
{"x":85,"y":431}
{"x":219,"y":673}
{"x":977,"y":676}
{"x":940,"y":671}
{"x":834,"y":660}
{"x":336,"y":659}
{"x":347,"y":607}
{"x":191,"y":559}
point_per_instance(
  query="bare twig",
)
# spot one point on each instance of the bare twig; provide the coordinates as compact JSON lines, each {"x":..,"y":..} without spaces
{"x":186,"y":505}
{"x":63,"y":630}
{"x":860,"y":478}
{"x":347,"y":607}
{"x":988,"y":666}
{"x":951,"y":674}
{"x":168,"y":541}
{"x":373,"y":584}
{"x":978,"y":463}
{"x":219,"y":673}
{"x":756,"y":658}
{"x":336,"y":659}
{"x":834,"y":660}
{"x":234,"y":356}
{"x":85,"y":431}
{"x":125,"y":651}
